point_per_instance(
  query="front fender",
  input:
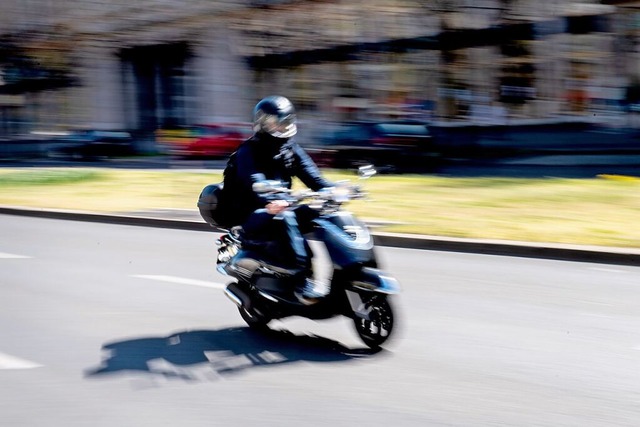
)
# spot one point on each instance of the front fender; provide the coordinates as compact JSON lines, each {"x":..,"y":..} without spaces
{"x":375,"y":280}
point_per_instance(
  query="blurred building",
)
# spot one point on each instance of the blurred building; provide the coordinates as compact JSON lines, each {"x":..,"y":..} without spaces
{"x":144,"y":65}
{"x":135,"y":64}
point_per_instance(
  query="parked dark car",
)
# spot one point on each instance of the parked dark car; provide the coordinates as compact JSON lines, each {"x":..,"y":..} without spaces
{"x":92,"y":145}
{"x":392,"y":146}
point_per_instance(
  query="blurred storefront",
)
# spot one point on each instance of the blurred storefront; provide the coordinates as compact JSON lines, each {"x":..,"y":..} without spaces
{"x":522,"y":59}
{"x":144,"y":65}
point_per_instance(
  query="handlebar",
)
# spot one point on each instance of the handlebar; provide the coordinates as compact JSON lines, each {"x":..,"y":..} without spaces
{"x":330,"y":198}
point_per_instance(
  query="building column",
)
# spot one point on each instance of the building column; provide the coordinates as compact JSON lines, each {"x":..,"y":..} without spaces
{"x":219,"y":86}
{"x":101,"y":76}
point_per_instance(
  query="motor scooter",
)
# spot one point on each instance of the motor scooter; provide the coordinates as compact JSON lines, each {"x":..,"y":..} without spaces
{"x":263,"y":290}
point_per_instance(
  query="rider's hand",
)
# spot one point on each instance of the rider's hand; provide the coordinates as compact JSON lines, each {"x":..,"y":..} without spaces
{"x":276,"y":206}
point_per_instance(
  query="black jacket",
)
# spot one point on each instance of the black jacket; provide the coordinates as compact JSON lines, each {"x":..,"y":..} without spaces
{"x":277,"y":159}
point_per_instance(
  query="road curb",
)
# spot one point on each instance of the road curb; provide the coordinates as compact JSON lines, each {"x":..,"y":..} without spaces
{"x":576,"y":253}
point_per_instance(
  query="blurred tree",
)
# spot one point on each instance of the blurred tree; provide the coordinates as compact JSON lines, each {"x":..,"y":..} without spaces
{"x":33,"y":65}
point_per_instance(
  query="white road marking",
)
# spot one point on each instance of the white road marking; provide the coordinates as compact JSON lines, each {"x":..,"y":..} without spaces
{"x":182,"y":281}
{"x":11,"y":362}
{"x":4,"y":255}
{"x":607,"y":270}
{"x":584,"y":301}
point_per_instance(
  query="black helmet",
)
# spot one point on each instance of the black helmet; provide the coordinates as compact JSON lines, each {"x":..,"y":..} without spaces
{"x":275,"y":115}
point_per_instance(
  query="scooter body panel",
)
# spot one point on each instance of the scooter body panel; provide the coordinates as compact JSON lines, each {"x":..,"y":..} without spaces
{"x":348,"y":240}
{"x":264,"y":291}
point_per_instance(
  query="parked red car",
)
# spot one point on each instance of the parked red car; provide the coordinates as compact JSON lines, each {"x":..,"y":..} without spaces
{"x":212,"y":140}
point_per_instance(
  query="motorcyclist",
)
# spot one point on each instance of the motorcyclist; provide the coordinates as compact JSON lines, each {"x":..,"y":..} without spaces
{"x":267,"y":225}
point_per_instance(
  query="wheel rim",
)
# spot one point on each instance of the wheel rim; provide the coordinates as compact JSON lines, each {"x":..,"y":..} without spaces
{"x":377,"y":329}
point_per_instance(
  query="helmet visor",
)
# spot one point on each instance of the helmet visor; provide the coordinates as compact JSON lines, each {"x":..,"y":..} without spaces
{"x":279,"y":127}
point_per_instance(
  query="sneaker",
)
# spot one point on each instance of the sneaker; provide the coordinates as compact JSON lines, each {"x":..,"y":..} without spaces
{"x":310,"y":292}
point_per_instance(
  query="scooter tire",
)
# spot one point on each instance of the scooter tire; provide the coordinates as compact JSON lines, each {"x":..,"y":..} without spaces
{"x":254,"y":320}
{"x":376,"y":330}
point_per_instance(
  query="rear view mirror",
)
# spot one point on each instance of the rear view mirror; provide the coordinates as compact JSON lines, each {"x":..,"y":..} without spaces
{"x":367,"y":171}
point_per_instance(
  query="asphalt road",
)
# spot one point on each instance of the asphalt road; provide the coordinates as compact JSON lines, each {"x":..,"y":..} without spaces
{"x":110,"y":325}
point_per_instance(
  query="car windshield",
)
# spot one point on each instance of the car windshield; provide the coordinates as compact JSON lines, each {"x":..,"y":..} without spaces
{"x":407,"y":130}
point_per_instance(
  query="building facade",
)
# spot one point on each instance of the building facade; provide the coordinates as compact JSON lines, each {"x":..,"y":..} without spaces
{"x":143,"y":65}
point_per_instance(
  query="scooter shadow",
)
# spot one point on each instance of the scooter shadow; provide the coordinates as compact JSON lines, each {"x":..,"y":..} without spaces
{"x":190,"y":355}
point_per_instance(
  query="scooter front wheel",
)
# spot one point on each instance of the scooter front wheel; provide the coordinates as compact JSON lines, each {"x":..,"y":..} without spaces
{"x":377,"y":328}
{"x":254,"y":320}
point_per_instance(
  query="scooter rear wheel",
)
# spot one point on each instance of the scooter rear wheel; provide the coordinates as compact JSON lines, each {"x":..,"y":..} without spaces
{"x":254,"y":320}
{"x":377,"y":329}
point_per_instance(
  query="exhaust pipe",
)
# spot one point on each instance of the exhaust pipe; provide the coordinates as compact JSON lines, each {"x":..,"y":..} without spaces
{"x":233,"y":297}
{"x":238,"y":296}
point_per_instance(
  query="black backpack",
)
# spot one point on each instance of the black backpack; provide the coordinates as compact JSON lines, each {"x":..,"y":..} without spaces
{"x":230,"y":174}
{"x":212,"y":202}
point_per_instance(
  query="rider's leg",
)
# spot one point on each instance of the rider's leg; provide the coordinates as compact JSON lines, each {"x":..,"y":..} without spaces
{"x":262,"y":234}
{"x":309,"y":291}
{"x":296,"y":240}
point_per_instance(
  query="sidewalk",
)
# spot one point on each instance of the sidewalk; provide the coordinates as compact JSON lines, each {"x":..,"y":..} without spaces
{"x":190,"y":220}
